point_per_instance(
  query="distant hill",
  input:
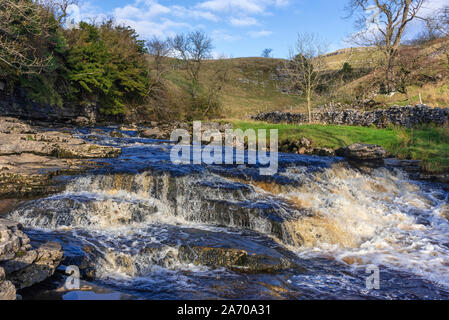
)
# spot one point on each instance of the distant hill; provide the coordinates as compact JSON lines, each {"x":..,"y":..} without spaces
{"x":253,"y":84}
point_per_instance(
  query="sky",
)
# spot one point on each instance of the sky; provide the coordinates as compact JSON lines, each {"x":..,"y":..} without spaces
{"x":239,"y":28}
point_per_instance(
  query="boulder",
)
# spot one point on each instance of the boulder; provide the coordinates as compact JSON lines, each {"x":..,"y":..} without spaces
{"x":34,"y":266}
{"x":7,"y":289}
{"x":362,"y":152}
{"x":81,"y":121}
{"x":305,"y":143}
{"x":151,"y":133}
{"x":22,"y":265}
{"x":235,"y":259}
{"x":324,"y":152}
{"x":116,"y":134}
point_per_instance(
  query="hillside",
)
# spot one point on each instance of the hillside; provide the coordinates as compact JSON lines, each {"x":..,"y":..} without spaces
{"x":253,"y":84}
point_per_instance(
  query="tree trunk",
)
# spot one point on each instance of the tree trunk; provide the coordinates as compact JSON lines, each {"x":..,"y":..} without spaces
{"x":309,"y":107}
{"x":388,"y":72}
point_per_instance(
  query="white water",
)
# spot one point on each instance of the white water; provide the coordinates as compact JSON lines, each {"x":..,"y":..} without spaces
{"x":355,"y":219}
{"x":381,"y":219}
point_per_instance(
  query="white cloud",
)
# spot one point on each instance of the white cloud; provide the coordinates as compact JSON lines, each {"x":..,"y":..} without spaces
{"x":249,"y":6}
{"x":152,"y":18}
{"x":244,"y":22}
{"x":221,"y":34}
{"x":241,"y":6}
{"x":147,"y":11}
{"x":260,"y":34}
{"x":431,"y":6}
{"x":180,"y":11}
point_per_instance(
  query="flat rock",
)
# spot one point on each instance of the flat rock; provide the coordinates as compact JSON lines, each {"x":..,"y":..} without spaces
{"x":34,"y":266}
{"x":363,"y":152}
{"x":21,"y":265}
{"x":30,"y":157}
{"x":235,"y":259}
{"x":151,"y":133}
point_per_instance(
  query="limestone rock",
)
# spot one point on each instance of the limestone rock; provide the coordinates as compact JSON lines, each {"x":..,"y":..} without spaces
{"x":363,"y":152}
{"x":82,"y":121}
{"x":151,"y":133}
{"x":34,"y":266}
{"x":18,"y":138}
{"x":7,"y":290}
{"x":234,"y":259}
{"x":21,"y":265}
{"x":324,"y":152}
{"x":14,"y":126}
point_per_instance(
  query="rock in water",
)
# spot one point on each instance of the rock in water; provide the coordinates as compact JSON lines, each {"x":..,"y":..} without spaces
{"x":7,"y":289}
{"x":151,"y":133}
{"x":21,"y":265}
{"x":362,"y":152}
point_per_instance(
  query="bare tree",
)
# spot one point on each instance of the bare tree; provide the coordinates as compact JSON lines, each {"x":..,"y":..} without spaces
{"x":22,"y":23}
{"x":438,"y":22}
{"x":215,"y":84}
{"x":382,"y":23}
{"x":159,"y":50}
{"x":193,"y":49}
{"x":59,"y":8}
{"x":306,"y":66}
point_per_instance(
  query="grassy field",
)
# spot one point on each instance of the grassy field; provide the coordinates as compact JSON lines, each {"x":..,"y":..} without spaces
{"x":429,"y":144}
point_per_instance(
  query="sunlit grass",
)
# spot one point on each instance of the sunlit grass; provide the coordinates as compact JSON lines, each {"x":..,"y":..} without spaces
{"x":429,"y":144}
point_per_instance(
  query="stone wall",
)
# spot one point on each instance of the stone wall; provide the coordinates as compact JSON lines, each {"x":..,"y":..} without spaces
{"x":407,"y":116}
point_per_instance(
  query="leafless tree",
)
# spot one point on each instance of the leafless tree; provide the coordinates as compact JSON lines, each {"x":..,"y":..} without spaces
{"x":60,"y":8}
{"x":438,"y":22}
{"x":215,"y":84}
{"x":22,"y":23}
{"x":306,"y":65}
{"x":193,"y":49}
{"x":382,"y":23}
{"x":159,"y":50}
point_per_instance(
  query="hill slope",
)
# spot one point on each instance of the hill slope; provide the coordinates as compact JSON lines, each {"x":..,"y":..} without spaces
{"x":253,"y":84}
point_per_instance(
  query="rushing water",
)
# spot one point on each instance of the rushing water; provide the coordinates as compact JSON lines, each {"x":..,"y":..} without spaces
{"x":143,"y":226}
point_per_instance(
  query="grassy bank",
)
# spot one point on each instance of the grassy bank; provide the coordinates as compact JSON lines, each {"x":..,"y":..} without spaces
{"x":429,"y":144}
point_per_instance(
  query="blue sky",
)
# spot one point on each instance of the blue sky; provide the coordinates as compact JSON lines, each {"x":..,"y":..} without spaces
{"x":240,"y":28}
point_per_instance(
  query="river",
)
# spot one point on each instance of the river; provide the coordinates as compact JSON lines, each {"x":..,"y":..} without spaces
{"x":145,"y":227}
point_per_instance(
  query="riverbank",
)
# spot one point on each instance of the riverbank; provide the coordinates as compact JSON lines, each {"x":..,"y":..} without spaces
{"x":429,"y":144}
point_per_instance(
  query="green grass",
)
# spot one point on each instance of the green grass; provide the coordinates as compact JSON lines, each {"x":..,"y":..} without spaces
{"x":429,"y":144}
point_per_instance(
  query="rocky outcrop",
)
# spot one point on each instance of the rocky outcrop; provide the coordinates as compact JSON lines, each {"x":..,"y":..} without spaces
{"x":407,"y":116}
{"x":21,"y":264}
{"x":17,"y":137}
{"x":16,"y":104}
{"x":362,"y":152}
{"x":31,"y":156}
